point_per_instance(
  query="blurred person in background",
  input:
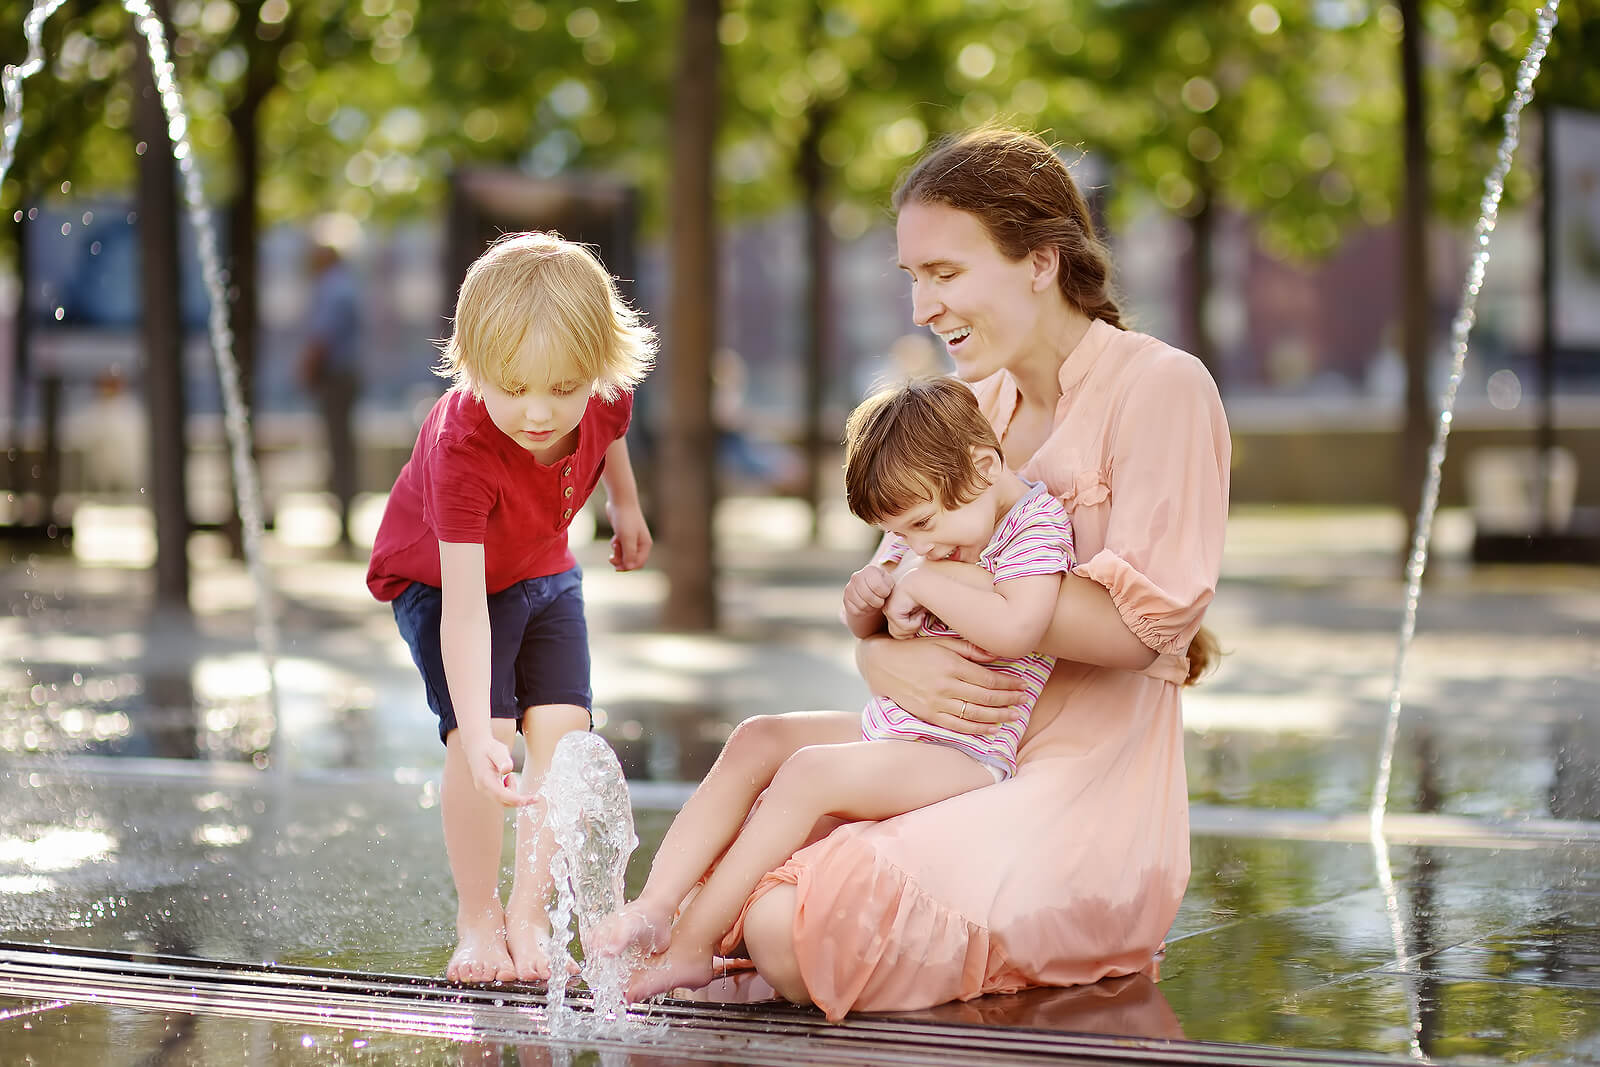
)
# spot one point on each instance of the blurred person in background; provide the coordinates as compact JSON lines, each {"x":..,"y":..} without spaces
{"x":330,"y":367}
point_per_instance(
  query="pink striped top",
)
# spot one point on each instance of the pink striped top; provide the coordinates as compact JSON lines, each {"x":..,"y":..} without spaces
{"x":1035,"y":537}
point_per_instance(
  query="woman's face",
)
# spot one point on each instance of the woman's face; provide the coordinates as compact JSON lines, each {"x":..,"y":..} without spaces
{"x":983,"y":306}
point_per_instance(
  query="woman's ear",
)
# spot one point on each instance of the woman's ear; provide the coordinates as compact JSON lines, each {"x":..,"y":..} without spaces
{"x":1046,"y":263}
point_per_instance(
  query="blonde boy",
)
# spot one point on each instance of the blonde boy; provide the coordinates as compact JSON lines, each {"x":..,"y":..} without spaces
{"x":472,"y":552}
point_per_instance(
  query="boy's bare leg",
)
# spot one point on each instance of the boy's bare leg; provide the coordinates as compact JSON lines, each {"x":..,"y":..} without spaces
{"x":474,"y":826}
{"x":527,"y":922}
{"x":858,"y":780}
{"x":711,"y":818}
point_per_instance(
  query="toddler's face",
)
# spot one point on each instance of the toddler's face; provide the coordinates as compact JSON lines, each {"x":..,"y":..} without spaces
{"x":540,"y":412}
{"x":936,"y":532}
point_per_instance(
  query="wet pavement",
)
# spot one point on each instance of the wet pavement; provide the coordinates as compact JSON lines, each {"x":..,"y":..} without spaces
{"x":164,"y":900}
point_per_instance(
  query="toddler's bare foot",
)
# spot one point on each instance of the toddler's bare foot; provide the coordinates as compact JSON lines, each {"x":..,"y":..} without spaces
{"x":679,"y":966}
{"x":637,"y":927}
{"x":481,"y":954}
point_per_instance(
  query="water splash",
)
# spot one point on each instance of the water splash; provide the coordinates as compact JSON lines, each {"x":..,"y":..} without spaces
{"x":1460,"y":330}
{"x":236,"y":423}
{"x":590,"y":816}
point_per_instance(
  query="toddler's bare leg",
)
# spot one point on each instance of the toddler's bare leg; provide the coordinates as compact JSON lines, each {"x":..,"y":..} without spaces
{"x":474,"y":826}
{"x":711,"y":817}
{"x":527,"y":922}
{"x":858,"y":780}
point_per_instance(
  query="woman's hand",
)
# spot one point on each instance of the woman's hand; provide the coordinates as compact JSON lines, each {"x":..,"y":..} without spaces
{"x":941,"y":680}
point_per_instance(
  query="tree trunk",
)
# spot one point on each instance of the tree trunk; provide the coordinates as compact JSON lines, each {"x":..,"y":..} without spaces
{"x":243,"y":238}
{"x":162,"y":332}
{"x":244,"y":226}
{"x":1202,"y":276}
{"x":819,"y":311}
{"x":689,"y":478}
{"x":1416,"y":295}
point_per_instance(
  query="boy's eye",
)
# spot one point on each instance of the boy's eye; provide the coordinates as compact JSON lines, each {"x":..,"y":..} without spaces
{"x":516,"y":390}
{"x":565,"y":389}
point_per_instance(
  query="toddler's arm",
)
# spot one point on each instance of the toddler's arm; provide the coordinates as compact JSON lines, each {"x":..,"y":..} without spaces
{"x":464,"y":646}
{"x":1005,"y":618}
{"x":864,"y":597}
{"x":630,"y":540}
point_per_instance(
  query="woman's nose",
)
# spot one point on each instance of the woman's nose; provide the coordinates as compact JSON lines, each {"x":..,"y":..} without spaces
{"x":924,"y":308}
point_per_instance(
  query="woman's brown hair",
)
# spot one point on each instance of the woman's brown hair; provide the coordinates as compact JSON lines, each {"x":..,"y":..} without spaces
{"x":1022,"y":192}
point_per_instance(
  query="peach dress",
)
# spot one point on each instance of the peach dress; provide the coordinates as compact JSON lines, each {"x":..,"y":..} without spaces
{"x":1073,"y":870}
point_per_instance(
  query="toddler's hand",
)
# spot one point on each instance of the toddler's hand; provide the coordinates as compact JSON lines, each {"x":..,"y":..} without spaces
{"x":903,"y":614}
{"x":867,"y":590}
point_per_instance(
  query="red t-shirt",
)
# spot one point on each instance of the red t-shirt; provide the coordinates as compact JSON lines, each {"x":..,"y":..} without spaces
{"x":468,"y":483}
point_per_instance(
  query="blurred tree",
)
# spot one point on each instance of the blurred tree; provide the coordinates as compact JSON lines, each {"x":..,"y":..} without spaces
{"x":692,"y":326}
{"x":161,"y":327}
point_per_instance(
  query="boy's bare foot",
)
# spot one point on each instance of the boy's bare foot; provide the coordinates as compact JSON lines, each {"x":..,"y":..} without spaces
{"x":481,"y":954}
{"x":679,"y":966}
{"x":529,"y":942}
{"x":636,"y":927}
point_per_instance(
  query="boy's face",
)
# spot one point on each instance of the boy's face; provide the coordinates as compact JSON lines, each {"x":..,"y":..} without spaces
{"x":936,"y":532}
{"x":541,"y":411}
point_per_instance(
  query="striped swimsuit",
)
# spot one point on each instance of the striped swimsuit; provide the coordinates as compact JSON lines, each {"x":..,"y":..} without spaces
{"x":1035,"y":537}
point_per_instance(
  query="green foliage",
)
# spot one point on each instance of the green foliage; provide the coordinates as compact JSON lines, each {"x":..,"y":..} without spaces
{"x":1287,"y":111}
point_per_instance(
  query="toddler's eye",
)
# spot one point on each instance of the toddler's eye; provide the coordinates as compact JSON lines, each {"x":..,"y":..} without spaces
{"x":565,"y":389}
{"x":516,"y":390}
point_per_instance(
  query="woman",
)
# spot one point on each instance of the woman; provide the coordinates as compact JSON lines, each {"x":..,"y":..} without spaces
{"x":1074,"y":869}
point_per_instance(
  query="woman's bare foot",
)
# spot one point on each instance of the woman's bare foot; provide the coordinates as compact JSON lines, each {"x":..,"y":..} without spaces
{"x":680,"y":966}
{"x":640,"y":927}
{"x":481,"y":954}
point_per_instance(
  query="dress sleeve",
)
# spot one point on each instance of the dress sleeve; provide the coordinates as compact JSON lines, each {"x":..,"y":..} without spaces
{"x":1168,"y":471}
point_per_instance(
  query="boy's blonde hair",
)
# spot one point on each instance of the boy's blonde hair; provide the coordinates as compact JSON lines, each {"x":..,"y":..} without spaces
{"x":538,"y":287}
{"x":914,"y":442}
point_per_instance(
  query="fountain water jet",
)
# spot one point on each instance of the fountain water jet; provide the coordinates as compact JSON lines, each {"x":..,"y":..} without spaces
{"x":235,"y":418}
{"x":1460,"y":330}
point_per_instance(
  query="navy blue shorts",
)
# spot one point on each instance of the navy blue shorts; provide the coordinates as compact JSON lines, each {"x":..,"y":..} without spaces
{"x":538,"y":646}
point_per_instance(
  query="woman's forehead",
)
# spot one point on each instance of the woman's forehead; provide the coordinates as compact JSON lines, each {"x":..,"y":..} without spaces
{"x":931,"y":234}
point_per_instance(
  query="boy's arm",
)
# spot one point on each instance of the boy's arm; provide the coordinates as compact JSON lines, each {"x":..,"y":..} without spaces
{"x":630,"y":541}
{"x":1007,"y":619}
{"x":464,"y":646}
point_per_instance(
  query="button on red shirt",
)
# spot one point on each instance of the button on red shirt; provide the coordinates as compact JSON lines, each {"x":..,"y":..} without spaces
{"x":468,"y":483}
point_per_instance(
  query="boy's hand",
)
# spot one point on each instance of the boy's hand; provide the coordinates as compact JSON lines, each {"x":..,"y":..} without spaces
{"x":903,"y":615}
{"x":867,"y":591}
{"x":630,"y":539}
{"x":490,"y":763}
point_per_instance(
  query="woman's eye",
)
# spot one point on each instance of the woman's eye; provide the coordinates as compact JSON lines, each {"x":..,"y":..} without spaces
{"x":945,"y":277}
